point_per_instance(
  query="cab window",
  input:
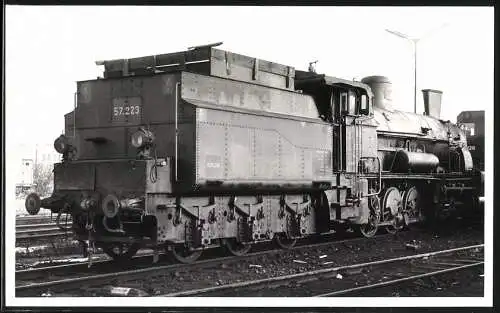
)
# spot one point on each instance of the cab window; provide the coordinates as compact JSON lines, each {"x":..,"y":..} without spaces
{"x":364,"y":105}
{"x":333,"y":104}
{"x":343,"y":102}
{"x":352,"y":103}
{"x":471,"y":130}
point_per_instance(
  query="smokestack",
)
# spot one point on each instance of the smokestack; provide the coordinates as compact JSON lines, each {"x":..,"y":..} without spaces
{"x":432,"y":102}
{"x":381,"y":87}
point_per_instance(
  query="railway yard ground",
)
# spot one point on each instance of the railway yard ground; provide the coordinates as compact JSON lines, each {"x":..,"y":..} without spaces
{"x":313,"y":268}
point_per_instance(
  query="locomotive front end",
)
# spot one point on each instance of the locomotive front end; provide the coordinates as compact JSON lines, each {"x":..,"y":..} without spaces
{"x":111,"y":160}
{"x":107,"y":196}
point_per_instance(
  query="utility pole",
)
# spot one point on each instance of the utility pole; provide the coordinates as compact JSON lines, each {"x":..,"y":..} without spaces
{"x":36,"y":154}
{"x":414,"y":41}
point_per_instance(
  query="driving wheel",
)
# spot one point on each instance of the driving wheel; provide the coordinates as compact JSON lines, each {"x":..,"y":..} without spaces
{"x":370,"y":229}
{"x":411,"y":204}
{"x":392,"y":206}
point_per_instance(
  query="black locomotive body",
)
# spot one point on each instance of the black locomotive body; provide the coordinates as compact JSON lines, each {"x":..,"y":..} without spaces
{"x":205,"y":147}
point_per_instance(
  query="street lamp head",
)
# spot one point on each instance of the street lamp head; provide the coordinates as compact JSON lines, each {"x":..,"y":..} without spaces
{"x":399,"y":34}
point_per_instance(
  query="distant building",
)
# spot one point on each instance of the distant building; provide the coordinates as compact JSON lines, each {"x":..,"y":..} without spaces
{"x":46,"y":154}
{"x":26,"y":173}
{"x":30,"y":156}
{"x":25,"y":177}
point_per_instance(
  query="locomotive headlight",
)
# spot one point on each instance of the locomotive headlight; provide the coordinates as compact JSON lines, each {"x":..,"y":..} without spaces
{"x":61,"y":144}
{"x":137,"y":139}
{"x":142,"y":138}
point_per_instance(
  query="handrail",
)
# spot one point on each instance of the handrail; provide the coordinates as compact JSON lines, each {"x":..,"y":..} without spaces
{"x":74,"y":112}
{"x":176,"y":128}
{"x":379,"y":180}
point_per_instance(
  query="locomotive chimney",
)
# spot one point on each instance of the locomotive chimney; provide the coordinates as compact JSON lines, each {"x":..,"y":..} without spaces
{"x":432,"y":102}
{"x":381,"y":87}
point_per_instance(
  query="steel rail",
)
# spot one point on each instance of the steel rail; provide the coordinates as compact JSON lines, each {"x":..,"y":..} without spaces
{"x":26,"y":220}
{"x":313,"y":273}
{"x":399,"y":280}
{"x":35,"y":235}
{"x":28,"y":274}
{"x":35,"y":226}
{"x":37,"y":230}
{"x":40,"y":231}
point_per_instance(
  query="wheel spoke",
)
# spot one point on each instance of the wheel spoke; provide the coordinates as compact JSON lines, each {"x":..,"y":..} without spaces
{"x":284,"y":241}
{"x":411,"y":202}
{"x":117,"y":252}
{"x":370,"y":229}
{"x":237,"y":248}
{"x":183,"y":254}
{"x":393,"y":208}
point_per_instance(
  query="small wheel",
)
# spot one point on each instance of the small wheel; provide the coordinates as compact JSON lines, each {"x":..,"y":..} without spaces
{"x":237,"y":248}
{"x":369,"y":229}
{"x":397,"y":224}
{"x":121,"y":251}
{"x":182,"y":254}
{"x":284,"y":242}
{"x":391,"y":229}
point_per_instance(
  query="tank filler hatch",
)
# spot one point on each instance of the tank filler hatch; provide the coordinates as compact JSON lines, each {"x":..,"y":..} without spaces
{"x":205,"y":60}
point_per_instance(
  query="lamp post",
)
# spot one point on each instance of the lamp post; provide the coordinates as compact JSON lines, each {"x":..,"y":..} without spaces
{"x":414,"y":41}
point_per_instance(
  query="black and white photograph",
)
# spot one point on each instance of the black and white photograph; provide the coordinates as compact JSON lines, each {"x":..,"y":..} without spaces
{"x":192,"y":156}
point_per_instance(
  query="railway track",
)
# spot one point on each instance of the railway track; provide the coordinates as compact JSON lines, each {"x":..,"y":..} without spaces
{"x":330,"y":282}
{"x":39,"y":231}
{"x":163,"y":277}
{"x":37,"y":219}
{"x":73,"y":277}
{"x":39,"y":227}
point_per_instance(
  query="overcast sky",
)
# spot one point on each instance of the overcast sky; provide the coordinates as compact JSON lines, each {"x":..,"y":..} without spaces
{"x":48,"y":48}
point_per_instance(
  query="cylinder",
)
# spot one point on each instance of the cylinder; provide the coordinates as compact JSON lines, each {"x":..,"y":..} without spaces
{"x":415,"y":162}
{"x":381,"y":87}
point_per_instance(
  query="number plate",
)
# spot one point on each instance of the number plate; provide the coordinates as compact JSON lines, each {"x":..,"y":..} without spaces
{"x":126,"y":109}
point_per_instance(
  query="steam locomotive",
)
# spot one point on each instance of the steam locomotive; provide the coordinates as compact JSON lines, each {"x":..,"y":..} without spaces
{"x":206,"y":148}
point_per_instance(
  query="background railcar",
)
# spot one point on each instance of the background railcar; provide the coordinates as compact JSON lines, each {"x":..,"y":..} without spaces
{"x":472,"y":123}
